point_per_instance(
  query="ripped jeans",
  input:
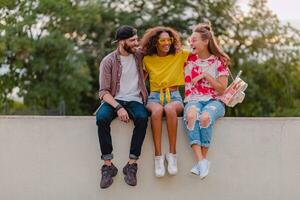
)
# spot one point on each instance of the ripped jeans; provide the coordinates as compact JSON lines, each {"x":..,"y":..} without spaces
{"x":197,"y":133}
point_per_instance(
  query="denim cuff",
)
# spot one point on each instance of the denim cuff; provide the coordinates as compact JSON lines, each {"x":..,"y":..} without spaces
{"x":205,"y":145}
{"x":197,"y":142}
{"x":133,"y":157}
{"x":107,"y":157}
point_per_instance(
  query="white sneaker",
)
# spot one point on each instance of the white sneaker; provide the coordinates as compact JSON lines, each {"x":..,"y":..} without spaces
{"x":159,"y":166}
{"x":172,"y":163}
{"x":195,"y":170}
{"x":204,"y":168}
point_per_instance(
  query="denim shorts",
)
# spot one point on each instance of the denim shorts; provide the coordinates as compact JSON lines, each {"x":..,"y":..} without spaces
{"x":174,"y":97}
{"x":198,"y":134}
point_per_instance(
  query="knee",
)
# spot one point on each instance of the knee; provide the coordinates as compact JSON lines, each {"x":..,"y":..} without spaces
{"x":142,"y":118}
{"x":101,"y":120}
{"x":170,"y":110}
{"x":191,"y":115}
{"x":157,"y":113}
{"x":205,"y":120}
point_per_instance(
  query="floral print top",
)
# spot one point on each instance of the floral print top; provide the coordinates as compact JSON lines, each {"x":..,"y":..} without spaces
{"x":202,"y":90}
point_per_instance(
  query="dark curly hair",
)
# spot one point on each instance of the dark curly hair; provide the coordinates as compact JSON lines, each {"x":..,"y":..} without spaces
{"x":150,"y":38}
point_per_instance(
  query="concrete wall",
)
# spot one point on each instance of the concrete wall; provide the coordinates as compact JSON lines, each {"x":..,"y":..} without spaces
{"x":58,"y":158}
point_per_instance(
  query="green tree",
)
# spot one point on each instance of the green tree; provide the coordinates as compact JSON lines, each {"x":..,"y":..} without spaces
{"x":268,"y":53}
{"x":52,"y":50}
{"x":53,"y":53}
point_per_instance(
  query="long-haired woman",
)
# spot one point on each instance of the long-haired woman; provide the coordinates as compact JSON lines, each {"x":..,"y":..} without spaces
{"x":206,"y":78}
{"x":164,"y":61}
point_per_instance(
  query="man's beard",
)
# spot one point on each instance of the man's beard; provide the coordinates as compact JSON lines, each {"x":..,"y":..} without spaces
{"x":128,"y":49}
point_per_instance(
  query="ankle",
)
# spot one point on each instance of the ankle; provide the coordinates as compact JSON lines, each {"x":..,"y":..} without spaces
{"x":159,"y":157}
{"x":172,"y":152}
{"x":130,"y":162}
{"x":107,"y":162}
{"x":157,"y":154}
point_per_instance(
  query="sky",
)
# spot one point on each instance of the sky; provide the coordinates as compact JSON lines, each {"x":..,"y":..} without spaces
{"x":287,"y":10}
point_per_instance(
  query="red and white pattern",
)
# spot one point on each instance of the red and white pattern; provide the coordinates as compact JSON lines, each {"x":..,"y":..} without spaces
{"x":202,"y":90}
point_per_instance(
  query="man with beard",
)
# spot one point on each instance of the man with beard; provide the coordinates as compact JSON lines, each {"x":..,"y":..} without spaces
{"x":123,"y":94}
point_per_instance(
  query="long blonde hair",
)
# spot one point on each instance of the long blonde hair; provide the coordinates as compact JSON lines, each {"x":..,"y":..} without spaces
{"x":206,"y":32}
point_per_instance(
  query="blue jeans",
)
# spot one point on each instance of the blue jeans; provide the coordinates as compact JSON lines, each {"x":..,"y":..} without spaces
{"x":104,"y":116}
{"x":199,"y":134}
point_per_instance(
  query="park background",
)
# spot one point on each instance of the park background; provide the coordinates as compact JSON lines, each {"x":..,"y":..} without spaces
{"x":50,"y":50}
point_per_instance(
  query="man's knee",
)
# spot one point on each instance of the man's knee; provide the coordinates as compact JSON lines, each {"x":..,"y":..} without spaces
{"x":142,"y":117}
{"x":102,"y":119}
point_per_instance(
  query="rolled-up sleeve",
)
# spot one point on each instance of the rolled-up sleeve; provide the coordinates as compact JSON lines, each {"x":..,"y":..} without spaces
{"x":105,"y":78}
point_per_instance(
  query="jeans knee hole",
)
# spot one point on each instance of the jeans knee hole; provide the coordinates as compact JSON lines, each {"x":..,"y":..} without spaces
{"x":192,"y":126}
{"x":190,"y":122}
{"x":208,"y":123}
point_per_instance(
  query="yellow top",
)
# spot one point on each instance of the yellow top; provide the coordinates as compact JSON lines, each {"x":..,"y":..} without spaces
{"x":165,"y":71}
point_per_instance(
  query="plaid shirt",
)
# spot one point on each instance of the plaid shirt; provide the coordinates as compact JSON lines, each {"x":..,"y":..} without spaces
{"x":110,"y":74}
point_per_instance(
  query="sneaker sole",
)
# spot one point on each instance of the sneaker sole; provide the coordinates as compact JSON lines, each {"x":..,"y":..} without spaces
{"x":205,"y":175}
{"x":173,"y":173}
{"x":195,"y":172}
{"x":106,"y":186}
{"x":128,"y":183}
{"x":159,"y":175}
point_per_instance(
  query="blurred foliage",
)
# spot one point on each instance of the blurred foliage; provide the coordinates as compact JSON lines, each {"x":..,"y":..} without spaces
{"x":51,"y":50}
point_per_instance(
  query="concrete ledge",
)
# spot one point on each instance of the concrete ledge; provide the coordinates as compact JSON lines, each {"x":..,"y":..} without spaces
{"x":58,"y":158}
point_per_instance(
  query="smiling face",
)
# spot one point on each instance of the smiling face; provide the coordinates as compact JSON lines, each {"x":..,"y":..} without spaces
{"x":197,"y":44}
{"x":131,"y":44}
{"x":164,"y":43}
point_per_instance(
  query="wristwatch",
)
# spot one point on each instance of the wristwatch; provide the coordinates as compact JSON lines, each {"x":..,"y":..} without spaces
{"x":118,"y":107}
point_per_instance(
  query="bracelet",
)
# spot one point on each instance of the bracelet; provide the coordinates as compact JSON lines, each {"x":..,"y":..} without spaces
{"x":118,"y":107}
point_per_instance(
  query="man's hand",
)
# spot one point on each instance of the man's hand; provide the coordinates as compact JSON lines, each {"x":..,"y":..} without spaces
{"x":123,"y":115}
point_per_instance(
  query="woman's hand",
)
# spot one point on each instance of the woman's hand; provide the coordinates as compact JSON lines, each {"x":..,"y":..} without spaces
{"x":198,"y":78}
{"x":219,"y":84}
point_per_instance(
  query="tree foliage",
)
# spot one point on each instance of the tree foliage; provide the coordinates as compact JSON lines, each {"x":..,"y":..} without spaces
{"x":51,"y":50}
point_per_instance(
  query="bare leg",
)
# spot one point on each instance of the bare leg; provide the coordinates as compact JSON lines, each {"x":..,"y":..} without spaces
{"x":197,"y":152}
{"x":204,"y":151}
{"x":107,"y":162}
{"x":156,"y":111}
{"x":131,"y":161}
{"x":172,"y":110}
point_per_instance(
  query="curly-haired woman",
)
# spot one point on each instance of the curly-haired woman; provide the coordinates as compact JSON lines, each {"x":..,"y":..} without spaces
{"x":164,"y":62}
